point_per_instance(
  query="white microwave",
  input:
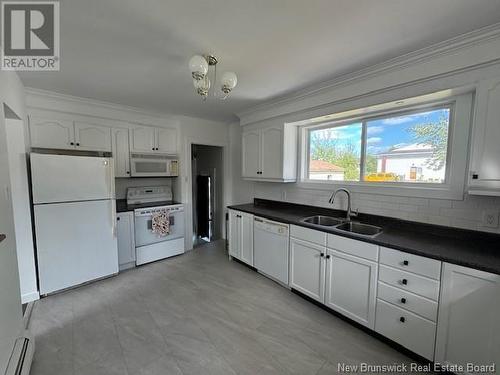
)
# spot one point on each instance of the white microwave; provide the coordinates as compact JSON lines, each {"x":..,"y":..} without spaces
{"x":153,"y":165}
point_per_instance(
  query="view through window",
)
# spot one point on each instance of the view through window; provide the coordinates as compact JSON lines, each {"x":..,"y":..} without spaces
{"x":408,"y":147}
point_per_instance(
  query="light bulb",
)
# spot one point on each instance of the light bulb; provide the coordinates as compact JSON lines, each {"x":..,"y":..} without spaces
{"x":229,"y":80}
{"x":198,"y":66}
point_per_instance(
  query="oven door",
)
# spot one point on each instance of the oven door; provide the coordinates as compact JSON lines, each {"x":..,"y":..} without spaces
{"x":143,"y":228}
{"x":145,"y":165}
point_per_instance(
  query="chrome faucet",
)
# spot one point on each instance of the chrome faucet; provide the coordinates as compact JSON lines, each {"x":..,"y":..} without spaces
{"x":349,"y":211}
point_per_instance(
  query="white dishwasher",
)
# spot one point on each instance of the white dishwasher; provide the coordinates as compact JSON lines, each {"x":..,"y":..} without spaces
{"x":271,"y":248}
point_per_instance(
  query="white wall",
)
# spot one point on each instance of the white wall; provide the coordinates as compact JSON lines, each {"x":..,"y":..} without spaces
{"x":21,"y":209}
{"x":460,"y":63}
{"x":12,"y":94}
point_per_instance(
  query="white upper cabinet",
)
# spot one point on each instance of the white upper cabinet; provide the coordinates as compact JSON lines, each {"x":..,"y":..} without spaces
{"x":468,"y":328}
{"x":48,"y":132}
{"x":121,"y":151}
{"x":153,"y":139}
{"x":143,"y":139}
{"x":166,"y":140}
{"x":92,"y":137}
{"x":51,"y":132}
{"x":484,"y":177}
{"x":270,"y":153}
{"x":251,"y":154}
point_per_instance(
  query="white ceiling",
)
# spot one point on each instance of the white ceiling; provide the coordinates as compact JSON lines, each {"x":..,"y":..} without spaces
{"x":136,"y":52}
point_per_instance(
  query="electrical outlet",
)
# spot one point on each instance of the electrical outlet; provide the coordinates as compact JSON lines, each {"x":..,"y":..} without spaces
{"x":490,"y":218}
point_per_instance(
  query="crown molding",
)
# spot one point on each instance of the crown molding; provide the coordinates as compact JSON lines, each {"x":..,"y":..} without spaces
{"x":426,"y":54}
{"x":94,"y":102}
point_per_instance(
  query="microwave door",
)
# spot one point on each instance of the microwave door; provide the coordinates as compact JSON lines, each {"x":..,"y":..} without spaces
{"x":142,"y":167}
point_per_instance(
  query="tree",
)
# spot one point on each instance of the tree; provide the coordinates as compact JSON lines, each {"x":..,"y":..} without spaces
{"x":436,"y":135}
{"x":342,"y":155}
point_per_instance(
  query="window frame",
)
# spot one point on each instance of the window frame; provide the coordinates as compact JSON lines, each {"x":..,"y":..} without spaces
{"x":461,"y":111}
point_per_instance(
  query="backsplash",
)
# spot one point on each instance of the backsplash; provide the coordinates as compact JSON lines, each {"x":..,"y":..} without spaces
{"x":466,"y":214}
{"x":121,"y":184}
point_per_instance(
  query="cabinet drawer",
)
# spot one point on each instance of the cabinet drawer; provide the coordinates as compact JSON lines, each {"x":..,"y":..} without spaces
{"x":420,"y":285}
{"x":406,"y":328}
{"x":408,"y":301}
{"x":353,"y":247}
{"x":307,"y":234}
{"x":411,"y":263}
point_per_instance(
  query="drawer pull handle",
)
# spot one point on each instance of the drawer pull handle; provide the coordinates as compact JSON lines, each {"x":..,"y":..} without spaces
{"x":403,"y":300}
{"x":404,"y":282}
{"x":405,"y":262}
{"x":322,"y":255}
{"x":328,"y":256}
{"x":402,"y":319}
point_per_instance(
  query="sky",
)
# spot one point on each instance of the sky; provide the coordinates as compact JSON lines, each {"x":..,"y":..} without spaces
{"x":384,"y":133}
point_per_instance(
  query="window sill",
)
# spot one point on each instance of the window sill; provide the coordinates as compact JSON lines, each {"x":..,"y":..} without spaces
{"x":418,"y":190}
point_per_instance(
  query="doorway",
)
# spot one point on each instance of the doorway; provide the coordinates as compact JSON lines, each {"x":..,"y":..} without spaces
{"x":207,"y":165}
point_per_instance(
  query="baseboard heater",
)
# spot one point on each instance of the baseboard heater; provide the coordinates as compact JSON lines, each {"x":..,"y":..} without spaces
{"x":22,"y":356}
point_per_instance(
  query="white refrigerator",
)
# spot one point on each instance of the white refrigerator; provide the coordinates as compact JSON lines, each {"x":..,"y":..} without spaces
{"x":75,"y":219}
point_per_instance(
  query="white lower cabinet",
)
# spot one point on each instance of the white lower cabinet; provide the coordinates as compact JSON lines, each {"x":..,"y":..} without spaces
{"x":407,"y":300}
{"x":406,"y":328}
{"x":351,"y":286}
{"x":307,"y":268}
{"x":126,"y":239}
{"x":469,"y":317}
{"x":241,"y":236}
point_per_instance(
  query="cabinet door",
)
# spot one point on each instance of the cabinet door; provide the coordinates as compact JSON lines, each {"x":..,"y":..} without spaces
{"x":469,"y":317}
{"x":486,"y":134}
{"x":351,"y":286}
{"x":272,"y":153}
{"x":166,"y":140}
{"x":121,"y":151}
{"x":92,"y":137}
{"x":251,"y":154}
{"x":126,"y":242}
{"x":246,"y":230}
{"x":234,"y":234}
{"x":142,"y":139}
{"x":307,"y":268}
{"x":51,"y":133}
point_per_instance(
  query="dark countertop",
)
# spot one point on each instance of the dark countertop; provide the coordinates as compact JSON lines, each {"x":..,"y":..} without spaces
{"x":468,"y":248}
{"x":122,"y":206}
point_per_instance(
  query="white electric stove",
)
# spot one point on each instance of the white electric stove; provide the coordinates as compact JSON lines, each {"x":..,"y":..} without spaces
{"x":147,"y":201}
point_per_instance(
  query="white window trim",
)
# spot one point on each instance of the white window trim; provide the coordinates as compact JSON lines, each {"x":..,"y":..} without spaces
{"x":456,"y":165}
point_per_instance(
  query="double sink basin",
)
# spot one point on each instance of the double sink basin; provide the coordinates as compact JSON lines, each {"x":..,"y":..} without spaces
{"x":361,"y":229}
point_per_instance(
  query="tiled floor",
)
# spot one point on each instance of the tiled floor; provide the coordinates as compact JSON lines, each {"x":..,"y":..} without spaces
{"x":194,"y":314}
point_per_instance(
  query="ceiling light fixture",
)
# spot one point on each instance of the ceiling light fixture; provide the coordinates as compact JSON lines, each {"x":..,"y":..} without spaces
{"x":199,"y":67}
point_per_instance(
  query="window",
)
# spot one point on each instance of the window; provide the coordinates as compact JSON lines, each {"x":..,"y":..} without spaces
{"x":406,"y":147}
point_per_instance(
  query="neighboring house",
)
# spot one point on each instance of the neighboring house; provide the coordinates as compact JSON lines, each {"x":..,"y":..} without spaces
{"x":409,"y":162}
{"x":323,"y":170}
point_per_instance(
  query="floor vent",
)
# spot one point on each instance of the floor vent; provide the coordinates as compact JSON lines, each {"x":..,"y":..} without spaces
{"x":22,"y":356}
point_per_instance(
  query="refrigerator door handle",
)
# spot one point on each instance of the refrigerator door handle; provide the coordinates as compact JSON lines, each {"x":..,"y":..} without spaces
{"x":113,"y":218}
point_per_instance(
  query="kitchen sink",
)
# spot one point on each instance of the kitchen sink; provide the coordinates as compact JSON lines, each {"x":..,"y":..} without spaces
{"x":359,"y":228}
{"x":325,"y":221}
